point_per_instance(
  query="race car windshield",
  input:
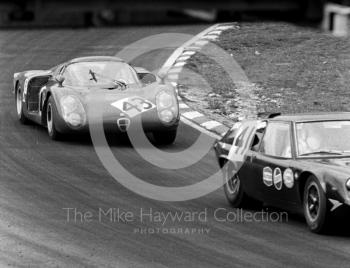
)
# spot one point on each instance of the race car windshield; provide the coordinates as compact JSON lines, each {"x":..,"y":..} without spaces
{"x":330,"y":138}
{"x":100,"y":74}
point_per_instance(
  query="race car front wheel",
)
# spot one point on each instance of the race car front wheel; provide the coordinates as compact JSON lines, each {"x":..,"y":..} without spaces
{"x":165,"y":137}
{"x":234,"y":191}
{"x":51,"y":113}
{"x":19,"y":105}
{"x":316,"y":206}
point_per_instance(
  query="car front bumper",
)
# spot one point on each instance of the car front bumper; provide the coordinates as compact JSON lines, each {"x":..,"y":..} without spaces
{"x":149,"y":121}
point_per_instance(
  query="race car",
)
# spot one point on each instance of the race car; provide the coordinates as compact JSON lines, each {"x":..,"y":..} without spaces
{"x":57,"y":98}
{"x":300,"y":163}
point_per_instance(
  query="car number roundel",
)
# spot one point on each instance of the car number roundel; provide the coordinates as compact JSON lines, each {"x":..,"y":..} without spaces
{"x":133,"y":106}
{"x":267,"y":176}
{"x":288,"y":178}
{"x":277,"y":178}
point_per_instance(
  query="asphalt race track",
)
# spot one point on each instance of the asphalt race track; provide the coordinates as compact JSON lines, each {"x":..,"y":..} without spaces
{"x":40,"y":177}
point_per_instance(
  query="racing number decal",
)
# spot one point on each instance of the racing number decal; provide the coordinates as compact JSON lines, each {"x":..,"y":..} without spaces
{"x":133,"y":106}
{"x":288,"y":178}
{"x":140,"y":106}
{"x":267,"y":176}
{"x":277,"y":178}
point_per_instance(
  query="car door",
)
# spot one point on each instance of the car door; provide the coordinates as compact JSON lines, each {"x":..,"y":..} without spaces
{"x":250,"y":173}
{"x":224,"y":145}
{"x":240,"y":154}
{"x":272,"y":161}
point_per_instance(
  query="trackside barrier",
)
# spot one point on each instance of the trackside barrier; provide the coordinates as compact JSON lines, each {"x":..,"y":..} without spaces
{"x":336,"y":19}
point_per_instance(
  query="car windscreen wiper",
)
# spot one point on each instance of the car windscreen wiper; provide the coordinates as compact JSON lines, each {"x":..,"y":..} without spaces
{"x":118,"y":83}
{"x":323,"y":152}
{"x":93,"y":76}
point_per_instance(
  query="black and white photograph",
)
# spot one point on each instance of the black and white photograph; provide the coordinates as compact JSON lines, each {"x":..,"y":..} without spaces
{"x":163,"y":133}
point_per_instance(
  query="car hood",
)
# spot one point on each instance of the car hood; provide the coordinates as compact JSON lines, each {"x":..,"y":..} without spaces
{"x":104,"y":98}
{"x":107,"y":92}
{"x":337,"y":164}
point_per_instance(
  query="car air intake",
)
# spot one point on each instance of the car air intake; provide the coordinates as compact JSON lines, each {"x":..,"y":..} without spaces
{"x":123,"y":124}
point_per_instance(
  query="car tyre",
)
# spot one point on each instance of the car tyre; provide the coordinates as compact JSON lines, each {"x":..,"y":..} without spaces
{"x":19,"y":105}
{"x":51,"y":115}
{"x":316,"y":206}
{"x":234,"y":191}
{"x":165,"y":137}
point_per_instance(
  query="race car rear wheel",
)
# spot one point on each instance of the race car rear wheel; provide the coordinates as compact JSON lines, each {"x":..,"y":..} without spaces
{"x":234,"y":191}
{"x":19,"y":105}
{"x":165,"y":137}
{"x":51,"y":113}
{"x":316,"y":206}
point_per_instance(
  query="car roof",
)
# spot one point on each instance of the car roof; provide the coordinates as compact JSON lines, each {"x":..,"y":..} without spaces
{"x":96,"y":58}
{"x":320,"y":116}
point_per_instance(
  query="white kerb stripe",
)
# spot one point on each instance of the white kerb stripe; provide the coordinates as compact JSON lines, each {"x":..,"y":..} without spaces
{"x":193,"y":48}
{"x":180,"y":64}
{"x":188,"y":53}
{"x":203,"y":130}
{"x":216,"y":32}
{"x":211,"y":37}
{"x":224,"y":27}
{"x":192,"y":115}
{"x":173,"y":76}
{"x":183,"y":105}
{"x":211,"y":124}
{"x":201,"y":43}
{"x":184,"y":57}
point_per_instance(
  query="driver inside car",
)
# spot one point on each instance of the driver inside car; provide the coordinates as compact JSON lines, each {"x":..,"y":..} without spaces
{"x":308,"y":143}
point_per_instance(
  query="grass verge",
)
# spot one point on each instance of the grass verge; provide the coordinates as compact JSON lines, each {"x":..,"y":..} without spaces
{"x":291,"y":69}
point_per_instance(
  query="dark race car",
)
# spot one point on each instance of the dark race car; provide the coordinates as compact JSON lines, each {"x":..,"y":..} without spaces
{"x":300,"y":163}
{"x":57,"y":98}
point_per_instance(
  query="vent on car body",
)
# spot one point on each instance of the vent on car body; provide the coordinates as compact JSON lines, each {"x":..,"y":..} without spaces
{"x":123,"y":124}
{"x":34,"y":87}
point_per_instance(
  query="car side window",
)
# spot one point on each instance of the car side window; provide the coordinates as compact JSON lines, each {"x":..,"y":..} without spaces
{"x":231,"y":134}
{"x":58,"y":70}
{"x":229,"y":137}
{"x":61,"y":69}
{"x":68,"y":78}
{"x":258,"y":136}
{"x":277,"y":140}
{"x":239,"y":140}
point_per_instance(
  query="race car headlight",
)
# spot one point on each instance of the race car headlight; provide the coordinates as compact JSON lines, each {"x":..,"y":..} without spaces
{"x":165,"y":100}
{"x":73,"y":111}
{"x":167,"y":106}
{"x":166,"y":116}
{"x":348,"y":184}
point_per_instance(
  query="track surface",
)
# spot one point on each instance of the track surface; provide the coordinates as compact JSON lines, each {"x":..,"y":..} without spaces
{"x":39,"y":178}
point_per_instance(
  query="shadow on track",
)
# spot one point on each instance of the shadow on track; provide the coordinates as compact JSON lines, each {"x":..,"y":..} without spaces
{"x":338,"y":226}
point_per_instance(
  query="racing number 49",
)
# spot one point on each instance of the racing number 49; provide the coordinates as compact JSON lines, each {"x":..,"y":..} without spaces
{"x":136,"y":103}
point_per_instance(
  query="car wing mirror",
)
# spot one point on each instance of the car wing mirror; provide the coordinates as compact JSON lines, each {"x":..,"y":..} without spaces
{"x":162,"y":74}
{"x":59,"y":79}
{"x":148,"y":78}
